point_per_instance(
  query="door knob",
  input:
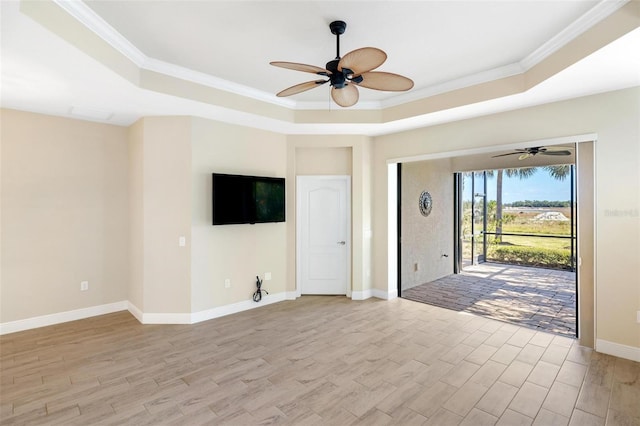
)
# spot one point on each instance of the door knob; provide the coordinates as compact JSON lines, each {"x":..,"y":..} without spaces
{"x":342,"y":243}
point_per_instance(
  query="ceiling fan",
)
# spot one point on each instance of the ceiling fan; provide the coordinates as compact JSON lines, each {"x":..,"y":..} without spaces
{"x":535,"y":150}
{"x":344,"y":74}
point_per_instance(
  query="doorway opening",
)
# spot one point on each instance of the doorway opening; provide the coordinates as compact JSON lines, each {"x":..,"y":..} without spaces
{"x":514,"y":259}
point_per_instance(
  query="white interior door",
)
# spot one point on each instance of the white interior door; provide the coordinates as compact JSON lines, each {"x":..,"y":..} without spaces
{"x":323,"y":239}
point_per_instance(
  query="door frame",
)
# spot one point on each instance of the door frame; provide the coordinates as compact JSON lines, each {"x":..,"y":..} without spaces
{"x":587,"y":286}
{"x":347,"y":179}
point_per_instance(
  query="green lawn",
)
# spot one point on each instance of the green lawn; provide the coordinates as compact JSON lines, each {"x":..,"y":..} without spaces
{"x":536,"y":251}
{"x":550,"y":243}
{"x":528,"y":250}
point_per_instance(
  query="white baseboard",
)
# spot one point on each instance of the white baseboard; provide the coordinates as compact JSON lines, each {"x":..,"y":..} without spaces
{"x":291,"y":295}
{"x":616,"y":349}
{"x":136,"y":312}
{"x":379,"y":294}
{"x":234,"y":308}
{"x":142,"y":317}
{"x":166,"y":318}
{"x":158,"y":318}
{"x":60,"y":317}
{"x":386,"y":295}
{"x":361,"y":295}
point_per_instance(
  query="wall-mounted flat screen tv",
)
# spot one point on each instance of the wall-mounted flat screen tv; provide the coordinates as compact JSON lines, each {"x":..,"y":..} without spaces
{"x":241,"y":199}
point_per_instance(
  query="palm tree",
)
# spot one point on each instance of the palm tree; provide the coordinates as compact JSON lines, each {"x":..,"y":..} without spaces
{"x":522,"y":173}
{"x":559,"y":172}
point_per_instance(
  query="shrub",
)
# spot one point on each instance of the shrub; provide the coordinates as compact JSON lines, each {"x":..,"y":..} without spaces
{"x":530,"y":256}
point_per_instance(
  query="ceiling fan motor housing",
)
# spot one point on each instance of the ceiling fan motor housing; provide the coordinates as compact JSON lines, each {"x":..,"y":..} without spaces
{"x":338,"y":78}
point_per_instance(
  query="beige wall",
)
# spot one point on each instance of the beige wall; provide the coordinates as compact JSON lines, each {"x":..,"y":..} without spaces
{"x":301,"y":149}
{"x":64,"y":214}
{"x":235,"y":252}
{"x":426,"y":239}
{"x":136,"y":215}
{"x":614,"y":117}
{"x":76,"y":227}
{"x":585,"y":218}
{"x":166,"y":214}
{"x":323,"y":161}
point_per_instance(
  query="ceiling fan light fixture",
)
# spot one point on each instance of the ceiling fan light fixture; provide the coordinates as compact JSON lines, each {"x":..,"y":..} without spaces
{"x":344,"y":74}
{"x":346,"y":96}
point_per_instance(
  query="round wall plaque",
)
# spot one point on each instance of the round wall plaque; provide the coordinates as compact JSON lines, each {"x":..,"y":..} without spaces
{"x":425,"y":203}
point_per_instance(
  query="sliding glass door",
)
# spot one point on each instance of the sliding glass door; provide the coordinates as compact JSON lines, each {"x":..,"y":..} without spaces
{"x":472,"y":218}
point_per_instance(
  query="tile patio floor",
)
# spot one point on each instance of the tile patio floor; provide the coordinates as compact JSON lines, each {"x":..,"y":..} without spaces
{"x":541,"y":299}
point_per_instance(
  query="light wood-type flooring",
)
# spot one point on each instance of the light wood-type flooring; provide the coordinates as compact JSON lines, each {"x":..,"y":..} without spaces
{"x":316,"y":360}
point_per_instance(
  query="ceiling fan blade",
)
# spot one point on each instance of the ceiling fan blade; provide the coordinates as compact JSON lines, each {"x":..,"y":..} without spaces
{"x":346,"y":96}
{"x":525,"y":155}
{"x":555,"y":152}
{"x":385,"y":81}
{"x":362,"y":60}
{"x":302,"y":87}
{"x":300,"y":67}
{"x":555,"y":148}
{"x":504,"y":155}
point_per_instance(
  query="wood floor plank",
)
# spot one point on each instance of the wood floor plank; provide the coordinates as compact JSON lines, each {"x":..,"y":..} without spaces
{"x":313,"y":361}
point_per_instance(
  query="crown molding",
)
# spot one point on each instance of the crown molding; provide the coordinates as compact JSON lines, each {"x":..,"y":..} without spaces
{"x":209,"y":80}
{"x":86,"y":16}
{"x":456,"y":84}
{"x":90,"y":19}
{"x":578,"y":27}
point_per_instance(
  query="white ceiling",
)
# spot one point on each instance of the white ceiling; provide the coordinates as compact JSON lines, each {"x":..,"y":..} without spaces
{"x":437,"y":44}
{"x":432,"y":42}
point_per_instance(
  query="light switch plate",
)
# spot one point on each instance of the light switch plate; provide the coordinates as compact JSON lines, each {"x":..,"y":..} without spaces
{"x":267,"y":276}
{"x":84,"y":286}
{"x":182,"y":241}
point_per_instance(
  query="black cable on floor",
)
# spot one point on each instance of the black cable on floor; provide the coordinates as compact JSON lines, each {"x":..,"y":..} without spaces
{"x":257,"y":296}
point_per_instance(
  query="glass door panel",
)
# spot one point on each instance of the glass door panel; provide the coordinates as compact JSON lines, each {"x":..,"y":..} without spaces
{"x":479,"y":217}
{"x":465,"y":219}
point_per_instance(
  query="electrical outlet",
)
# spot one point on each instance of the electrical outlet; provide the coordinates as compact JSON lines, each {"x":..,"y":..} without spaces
{"x":267,"y":276}
{"x":84,"y":286}
{"x":227,"y":283}
{"x":182,"y":241}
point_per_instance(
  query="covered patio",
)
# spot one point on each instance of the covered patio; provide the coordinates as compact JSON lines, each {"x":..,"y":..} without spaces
{"x":541,"y":299}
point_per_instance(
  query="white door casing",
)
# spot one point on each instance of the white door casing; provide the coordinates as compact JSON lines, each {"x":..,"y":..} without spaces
{"x":323,"y":246}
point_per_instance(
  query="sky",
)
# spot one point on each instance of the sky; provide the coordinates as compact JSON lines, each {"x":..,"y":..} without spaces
{"x":540,"y":186}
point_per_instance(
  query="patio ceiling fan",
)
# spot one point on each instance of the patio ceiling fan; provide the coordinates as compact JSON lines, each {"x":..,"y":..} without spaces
{"x":535,"y":150}
{"x":344,"y":74}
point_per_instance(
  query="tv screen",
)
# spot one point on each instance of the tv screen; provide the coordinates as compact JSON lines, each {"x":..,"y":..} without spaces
{"x":241,"y":199}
